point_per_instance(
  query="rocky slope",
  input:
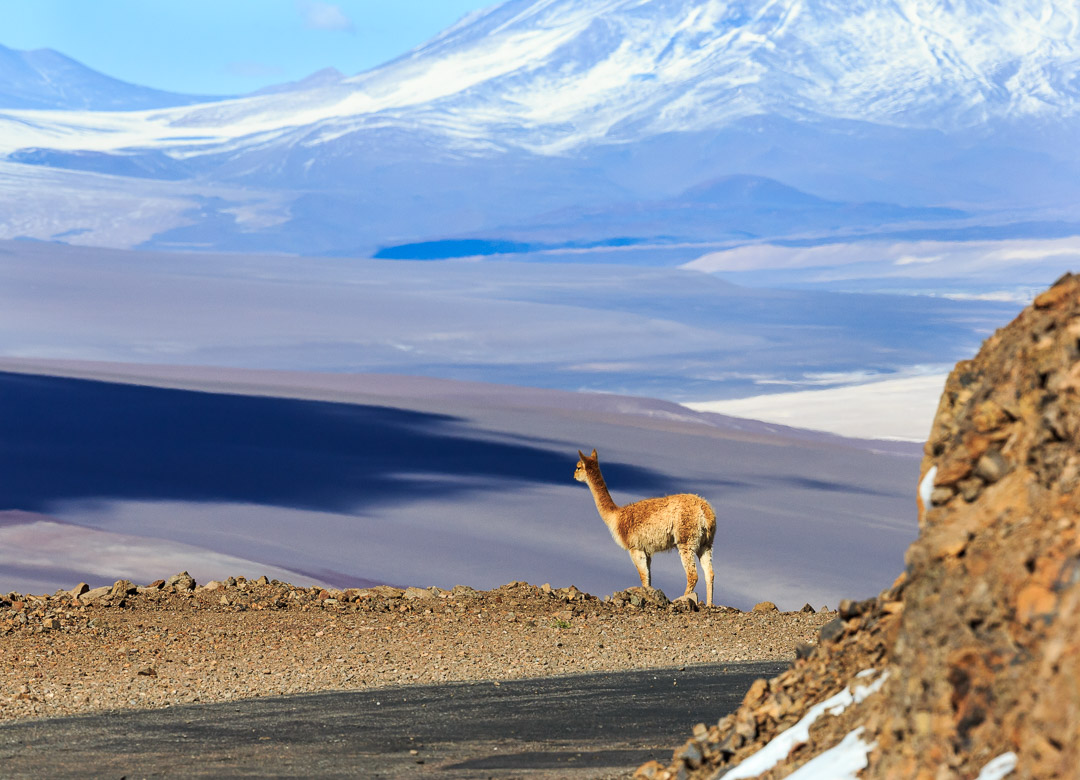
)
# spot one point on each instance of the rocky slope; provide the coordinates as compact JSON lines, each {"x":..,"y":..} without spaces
{"x":174,"y":642}
{"x":975,"y":652}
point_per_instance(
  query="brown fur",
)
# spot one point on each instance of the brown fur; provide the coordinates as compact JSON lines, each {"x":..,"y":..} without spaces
{"x":685,"y":522}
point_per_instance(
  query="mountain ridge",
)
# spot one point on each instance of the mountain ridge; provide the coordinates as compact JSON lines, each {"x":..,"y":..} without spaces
{"x":533,"y":106}
{"x":47,"y":79}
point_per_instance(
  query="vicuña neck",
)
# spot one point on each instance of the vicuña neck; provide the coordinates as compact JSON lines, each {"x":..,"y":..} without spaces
{"x":598,"y":487}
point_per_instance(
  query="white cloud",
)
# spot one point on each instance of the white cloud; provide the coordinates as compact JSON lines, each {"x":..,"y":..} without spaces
{"x":318,"y":15}
{"x":910,"y":259}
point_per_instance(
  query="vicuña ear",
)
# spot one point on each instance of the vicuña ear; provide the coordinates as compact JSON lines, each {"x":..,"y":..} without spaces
{"x":594,"y":453}
{"x":582,"y":454}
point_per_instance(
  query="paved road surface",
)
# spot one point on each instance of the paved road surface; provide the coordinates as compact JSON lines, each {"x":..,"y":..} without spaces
{"x":586,"y":726}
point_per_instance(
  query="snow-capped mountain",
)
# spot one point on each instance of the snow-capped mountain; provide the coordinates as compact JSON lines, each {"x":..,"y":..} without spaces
{"x":552,"y":75}
{"x":531,"y":106}
{"x":47,"y":79}
{"x":572,"y":72}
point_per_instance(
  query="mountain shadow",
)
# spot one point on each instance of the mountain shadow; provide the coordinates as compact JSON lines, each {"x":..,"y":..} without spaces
{"x":72,"y":439}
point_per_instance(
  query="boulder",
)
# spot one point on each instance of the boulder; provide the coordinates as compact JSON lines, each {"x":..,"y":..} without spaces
{"x":639,"y":596}
{"x":180,"y":582}
{"x":122,"y":588}
{"x":95,"y":593}
{"x":78,"y":590}
{"x":387,"y":592}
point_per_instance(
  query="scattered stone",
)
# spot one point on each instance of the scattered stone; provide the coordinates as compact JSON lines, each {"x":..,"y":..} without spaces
{"x":807,"y":608}
{"x":412,"y":594}
{"x":690,"y":754}
{"x":991,"y":466}
{"x":970,"y":488}
{"x":78,"y":590}
{"x":685,"y":604}
{"x":180,"y":582}
{"x":941,"y":495}
{"x":95,"y":593}
{"x":765,"y":606}
{"x":388,"y":592}
{"x":831,"y":630}
{"x":639,"y":596}
{"x":852,"y":609}
{"x":121,"y":588}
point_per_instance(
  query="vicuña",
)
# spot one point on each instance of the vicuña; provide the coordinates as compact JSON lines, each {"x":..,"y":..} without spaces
{"x":653,"y":525}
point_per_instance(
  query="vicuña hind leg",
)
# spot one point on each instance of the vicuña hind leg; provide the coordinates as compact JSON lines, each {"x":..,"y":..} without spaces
{"x":688,"y":563}
{"x":643,"y":561}
{"x":706,"y":566}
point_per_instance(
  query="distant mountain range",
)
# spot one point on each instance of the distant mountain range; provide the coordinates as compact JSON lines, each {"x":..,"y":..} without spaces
{"x":46,"y":79}
{"x":563,"y":123}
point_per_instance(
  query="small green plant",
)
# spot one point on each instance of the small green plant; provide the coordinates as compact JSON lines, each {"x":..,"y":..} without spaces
{"x":560,"y":624}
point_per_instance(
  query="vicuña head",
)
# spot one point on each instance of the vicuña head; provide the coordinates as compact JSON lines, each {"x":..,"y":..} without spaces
{"x":685,"y":522}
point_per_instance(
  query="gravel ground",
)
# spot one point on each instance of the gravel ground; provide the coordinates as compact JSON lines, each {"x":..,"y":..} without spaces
{"x":166,"y":644}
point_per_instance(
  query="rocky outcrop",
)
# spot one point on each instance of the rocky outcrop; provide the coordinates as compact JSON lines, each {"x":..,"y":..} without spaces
{"x":990,"y":650}
{"x":978,"y":641}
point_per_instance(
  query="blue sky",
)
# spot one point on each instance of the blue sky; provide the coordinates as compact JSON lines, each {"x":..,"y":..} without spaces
{"x":226,"y":46}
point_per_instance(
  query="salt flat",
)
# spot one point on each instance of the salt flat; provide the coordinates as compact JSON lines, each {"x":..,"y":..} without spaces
{"x":900,"y":409}
{"x":654,"y":332}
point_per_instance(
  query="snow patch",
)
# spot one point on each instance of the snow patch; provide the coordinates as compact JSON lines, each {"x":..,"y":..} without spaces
{"x":842,"y":762}
{"x":998,"y":768}
{"x":926,"y":487}
{"x":783,"y":743}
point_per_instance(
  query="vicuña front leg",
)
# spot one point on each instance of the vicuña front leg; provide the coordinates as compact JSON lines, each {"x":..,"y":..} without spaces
{"x":642,"y":561}
{"x":688,"y":563}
